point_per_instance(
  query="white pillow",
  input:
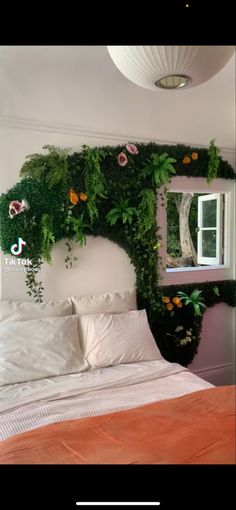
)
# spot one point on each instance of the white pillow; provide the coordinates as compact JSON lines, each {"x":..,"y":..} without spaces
{"x":117,"y":302}
{"x":23,"y":310}
{"x":40,"y":348}
{"x":111,"y":339}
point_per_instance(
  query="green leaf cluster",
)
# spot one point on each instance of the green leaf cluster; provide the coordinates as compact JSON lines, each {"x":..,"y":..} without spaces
{"x":78,"y":227}
{"x":216,"y":290}
{"x":195,"y":300}
{"x":94,"y":180}
{"x":160,"y":168}
{"x":146,"y":212}
{"x":51,"y":168}
{"x":214,"y":161}
{"x":122,"y":211}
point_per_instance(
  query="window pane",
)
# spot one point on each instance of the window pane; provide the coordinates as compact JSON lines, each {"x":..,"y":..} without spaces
{"x":209,"y":243}
{"x":209,"y":213}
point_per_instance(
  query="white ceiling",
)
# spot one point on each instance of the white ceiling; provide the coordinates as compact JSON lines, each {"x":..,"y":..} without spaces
{"x":80,"y":86}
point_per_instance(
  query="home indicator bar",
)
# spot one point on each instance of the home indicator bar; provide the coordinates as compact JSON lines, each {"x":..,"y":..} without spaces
{"x":118,"y":503}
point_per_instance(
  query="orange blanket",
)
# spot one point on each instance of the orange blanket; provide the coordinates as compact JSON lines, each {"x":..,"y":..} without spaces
{"x":198,"y":428}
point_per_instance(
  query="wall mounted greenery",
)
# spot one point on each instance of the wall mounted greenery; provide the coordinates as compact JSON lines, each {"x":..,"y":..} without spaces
{"x":172,"y":326}
{"x":108,"y":191}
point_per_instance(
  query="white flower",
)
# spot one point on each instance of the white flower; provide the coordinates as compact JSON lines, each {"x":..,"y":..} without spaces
{"x":179,"y":328}
{"x":25,"y":204}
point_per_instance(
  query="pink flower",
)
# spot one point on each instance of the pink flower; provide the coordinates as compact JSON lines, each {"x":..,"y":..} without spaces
{"x":131,"y":148}
{"x":16,"y":207}
{"x":122,"y":159}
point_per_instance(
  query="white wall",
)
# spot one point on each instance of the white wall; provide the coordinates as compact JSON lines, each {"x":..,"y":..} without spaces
{"x":215,"y":360}
{"x":79,"y":87}
{"x":102,"y":266}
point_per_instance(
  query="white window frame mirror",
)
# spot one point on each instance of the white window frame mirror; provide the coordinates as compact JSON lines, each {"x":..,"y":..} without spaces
{"x":224,"y":191}
{"x":216,"y":230}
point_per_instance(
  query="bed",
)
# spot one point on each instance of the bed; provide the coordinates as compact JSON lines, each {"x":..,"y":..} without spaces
{"x":83,"y":382}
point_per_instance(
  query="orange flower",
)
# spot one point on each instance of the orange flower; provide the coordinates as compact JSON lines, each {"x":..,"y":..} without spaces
{"x":176,"y":300}
{"x":166,"y":299}
{"x":194,"y":155}
{"x":180,"y":304}
{"x":73,"y":196}
{"x":186,"y":160}
{"x":83,"y":197}
{"x":169,"y":306}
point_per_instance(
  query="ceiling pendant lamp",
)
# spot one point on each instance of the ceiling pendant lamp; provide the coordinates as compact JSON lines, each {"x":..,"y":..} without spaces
{"x":170,"y":67}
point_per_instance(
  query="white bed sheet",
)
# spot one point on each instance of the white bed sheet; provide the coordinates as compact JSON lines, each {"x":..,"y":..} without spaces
{"x":26,"y":406}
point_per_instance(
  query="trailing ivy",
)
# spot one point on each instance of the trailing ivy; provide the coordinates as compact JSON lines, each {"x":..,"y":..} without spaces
{"x":35,"y":287}
{"x":109,"y":191}
{"x":69,"y":259}
{"x":48,"y":238}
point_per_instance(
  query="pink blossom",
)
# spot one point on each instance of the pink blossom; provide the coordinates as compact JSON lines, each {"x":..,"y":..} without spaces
{"x":17,"y":207}
{"x":16,"y":204}
{"x":122,"y":159}
{"x":131,"y":148}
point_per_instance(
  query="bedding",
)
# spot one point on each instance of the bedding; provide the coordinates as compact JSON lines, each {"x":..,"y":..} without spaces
{"x":39,"y":348}
{"x":28,"y":405}
{"x":145,"y":412}
{"x":128,"y":405}
{"x":197,"y":428}
{"x":111,"y":339}
{"x":117,"y":302}
{"x":11,"y":310}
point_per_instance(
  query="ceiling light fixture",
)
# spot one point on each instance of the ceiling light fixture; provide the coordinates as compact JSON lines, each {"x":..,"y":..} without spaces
{"x":170,"y":67}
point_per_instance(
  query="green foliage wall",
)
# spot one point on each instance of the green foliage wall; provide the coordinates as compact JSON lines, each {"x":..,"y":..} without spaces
{"x":165,"y":325}
{"x":114,"y":201}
